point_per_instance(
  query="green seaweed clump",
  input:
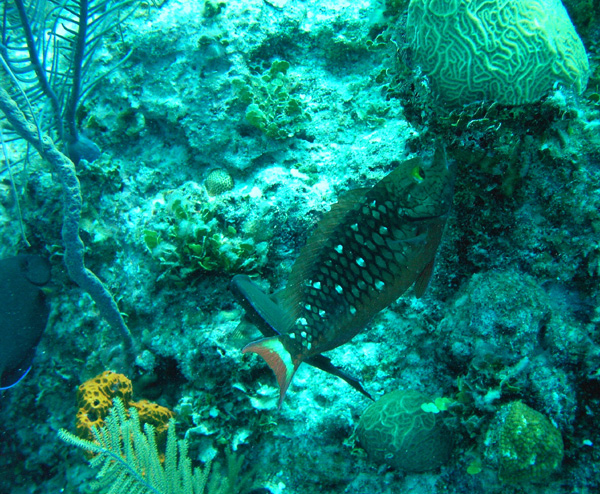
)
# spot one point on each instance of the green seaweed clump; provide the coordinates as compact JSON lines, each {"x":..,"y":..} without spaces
{"x":271,"y":105}
{"x":212,"y":8}
{"x":398,"y":431}
{"x":527,"y":446}
{"x":188,"y":236}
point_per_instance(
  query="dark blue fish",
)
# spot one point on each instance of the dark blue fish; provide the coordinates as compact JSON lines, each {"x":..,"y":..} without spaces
{"x":23,"y":314}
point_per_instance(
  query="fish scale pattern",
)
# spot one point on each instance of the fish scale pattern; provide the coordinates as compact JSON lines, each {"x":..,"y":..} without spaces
{"x":375,"y":253}
{"x":497,"y":50}
{"x":360,"y":262}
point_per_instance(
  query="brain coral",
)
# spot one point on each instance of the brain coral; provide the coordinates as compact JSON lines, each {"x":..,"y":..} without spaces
{"x":524,"y":443}
{"x":396,"y":431}
{"x":507,"y":51}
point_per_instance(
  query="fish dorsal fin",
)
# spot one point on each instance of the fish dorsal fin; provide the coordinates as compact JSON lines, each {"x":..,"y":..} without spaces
{"x":290,"y":296}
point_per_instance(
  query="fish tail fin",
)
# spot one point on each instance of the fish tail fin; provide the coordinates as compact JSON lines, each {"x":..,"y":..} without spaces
{"x":278,"y":358}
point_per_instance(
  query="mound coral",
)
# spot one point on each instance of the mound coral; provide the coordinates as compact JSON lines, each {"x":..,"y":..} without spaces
{"x":218,"y":182}
{"x":524,"y":444}
{"x":397,"y":431}
{"x":509,"y":52}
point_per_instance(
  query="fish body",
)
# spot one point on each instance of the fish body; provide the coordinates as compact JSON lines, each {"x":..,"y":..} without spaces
{"x":23,"y":314}
{"x":366,"y":251}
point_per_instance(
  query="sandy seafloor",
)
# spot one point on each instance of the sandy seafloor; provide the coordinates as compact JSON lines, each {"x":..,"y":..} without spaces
{"x":511,"y":313}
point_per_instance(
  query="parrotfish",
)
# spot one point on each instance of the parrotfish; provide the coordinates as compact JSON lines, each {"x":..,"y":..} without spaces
{"x":366,"y":252}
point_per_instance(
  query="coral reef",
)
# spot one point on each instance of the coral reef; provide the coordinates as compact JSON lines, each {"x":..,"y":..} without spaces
{"x":23,"y":74}
{"x":511,"y":312}
{"x":129,"y":461}
{"x":397,"y":430}
{"x":506,"y":330}
{"x":486,"y":50}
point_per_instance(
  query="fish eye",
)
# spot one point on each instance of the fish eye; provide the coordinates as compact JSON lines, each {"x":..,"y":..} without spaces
{"x":418,"y":174}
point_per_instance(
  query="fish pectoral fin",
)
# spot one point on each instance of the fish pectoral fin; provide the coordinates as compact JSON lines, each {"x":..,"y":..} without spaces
{"x":260,"y":308}
{"x":423,"y":279}
{"x":245,"y":331}
{"x":278,"y":358}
